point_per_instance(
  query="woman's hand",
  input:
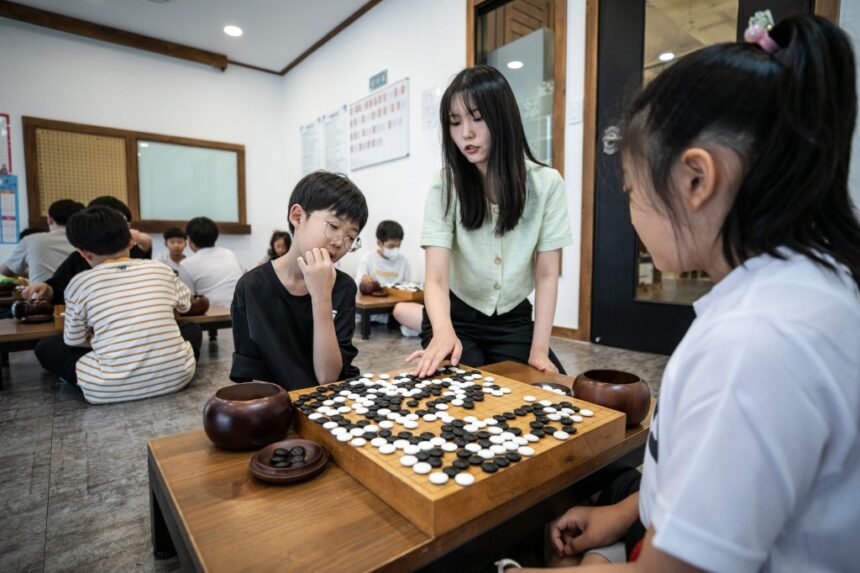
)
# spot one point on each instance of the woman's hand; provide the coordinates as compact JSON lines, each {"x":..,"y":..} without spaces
{"x":541,"y":361}
{"x":440,"y":347}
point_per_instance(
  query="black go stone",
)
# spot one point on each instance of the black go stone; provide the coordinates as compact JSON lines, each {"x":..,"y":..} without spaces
{"x":509,"y":415}
{"x":537,"y":432}
{"x":461,"y":464}
{"x":448,"y":435}
{"x":513,"y":456}
{"x":384,"y":433}
{"x":516,"y":431}
{"x":434,"y":462}
{"x":280,"y":452}
{"x":427,"y":435}
{"x":414,"y":440}
{"x":489,"y":467}
{"x":502,"y":462}
{"x":458,"y":423}
{"x":451,"y":471}
{"x":483,"y":435}
{"x":436,"y":452}
{"x":460,"y":442}
{"x":536,"y":425}
{"x":476,"y":460}
{"x":549,"y":429}
{"x":422,"y":456}
{"x":485,"y":443}
{"x":464,"y":454}
{"x":412,"y":403}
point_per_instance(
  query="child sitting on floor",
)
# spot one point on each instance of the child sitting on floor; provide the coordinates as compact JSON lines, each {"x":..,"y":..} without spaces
{"x":175,"y":240}
{"x":293,"y":318}
{"x":120,"y":341}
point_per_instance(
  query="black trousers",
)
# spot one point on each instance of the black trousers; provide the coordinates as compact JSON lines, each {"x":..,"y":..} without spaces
{"x":489,"y":339}
{"x":59,"y":359}
{"x":621,"y":486}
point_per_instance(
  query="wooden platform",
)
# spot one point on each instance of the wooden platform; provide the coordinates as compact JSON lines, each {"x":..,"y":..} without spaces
{"x":436,"y":509}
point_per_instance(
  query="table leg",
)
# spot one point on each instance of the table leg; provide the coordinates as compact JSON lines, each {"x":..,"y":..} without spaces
{"x":365,"y":324}
{"x":213,"y":334}
{"x":4,"y":358}
{"x":162,"y":544}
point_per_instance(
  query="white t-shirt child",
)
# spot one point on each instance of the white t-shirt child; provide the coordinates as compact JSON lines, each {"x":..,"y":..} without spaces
{"x":385,"y":271}
{"x":753,"y":462}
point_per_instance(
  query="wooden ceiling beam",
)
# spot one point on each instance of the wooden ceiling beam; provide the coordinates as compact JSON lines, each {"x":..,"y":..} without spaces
{"x":46,"y":19}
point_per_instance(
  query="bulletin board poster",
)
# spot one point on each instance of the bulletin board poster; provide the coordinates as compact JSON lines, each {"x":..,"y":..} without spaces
{"x":379,"y":126}
{"x":312,"y":145}
{"x":8,"y":209}
{"x":324,"y":144}
{"x":5,"y":144}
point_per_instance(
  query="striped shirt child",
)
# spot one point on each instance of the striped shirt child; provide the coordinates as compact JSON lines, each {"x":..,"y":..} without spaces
{"x":124,"y":310}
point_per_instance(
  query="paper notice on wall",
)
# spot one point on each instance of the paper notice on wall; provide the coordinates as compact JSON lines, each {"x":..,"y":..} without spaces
{"x":8,"y":208}
{"x":430,"y":100}
{"x":324,"y":142}
{"x":5,"y":144}
{"x":379,"y":126}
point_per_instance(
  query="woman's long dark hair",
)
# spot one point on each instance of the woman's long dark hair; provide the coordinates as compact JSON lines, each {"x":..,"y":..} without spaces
{"x":486,"y":91}
{"x":790,"y":116}
{"x":276,"y":236}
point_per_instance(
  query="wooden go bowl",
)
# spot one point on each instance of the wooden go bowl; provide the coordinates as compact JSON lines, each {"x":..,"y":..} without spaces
{"x":248,"y":415}
{"x":617,"y":390}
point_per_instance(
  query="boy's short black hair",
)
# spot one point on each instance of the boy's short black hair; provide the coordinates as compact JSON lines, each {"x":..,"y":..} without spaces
{"x":30,"y":231}
{"x":324,"y":191}
{"x":175,"y":233}
{"x":389,"y":231}
{"x":202,"y":231}
{"x":61,"y":210}
{"x":99,"y":229}
{"x":113,"y":203}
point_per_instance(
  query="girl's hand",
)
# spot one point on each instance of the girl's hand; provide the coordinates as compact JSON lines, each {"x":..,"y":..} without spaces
{"x":541,"y":361}
{"x":583,"y":528}
{"x":440,"y":346}
{"x":319,"y":273}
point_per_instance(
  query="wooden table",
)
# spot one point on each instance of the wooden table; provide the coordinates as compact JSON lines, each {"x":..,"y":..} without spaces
{"x":368,"y":305}
{"x":206,"y":507}
{"x":15,"y":335}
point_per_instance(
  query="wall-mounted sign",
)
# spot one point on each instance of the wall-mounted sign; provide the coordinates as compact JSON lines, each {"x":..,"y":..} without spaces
{"x":379,"y":126}
{"x":379,"y":80}
{"x":5,"y":144}
{"x":9,"y":208}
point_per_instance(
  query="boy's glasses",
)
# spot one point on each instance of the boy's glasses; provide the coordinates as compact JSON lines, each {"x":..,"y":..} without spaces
{"x":335,"y":234}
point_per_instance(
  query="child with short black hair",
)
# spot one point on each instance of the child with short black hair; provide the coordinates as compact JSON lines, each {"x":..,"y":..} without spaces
{"x":175,"y":240}
{"x":211,"y":271}
{"x":293,"y":318}
{"x":387,"y":266}
{"x":121,"y":341}
{"x":736,"y":161}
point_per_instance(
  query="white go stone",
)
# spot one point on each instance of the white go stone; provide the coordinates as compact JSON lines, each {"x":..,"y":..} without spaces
{"x":529,"y":398}
{"x":439,"y":478}
{"x":412,"y":417}
{"x":437,"y":441}
{"x":410,"y":424}
{"x":429,"y":417}
{"x":328,"y":403}
{"x":586,"y":412}
{"x":454,"y":402}
{"x":576,"y":418}
{"x":489,"y":379}
{"x":408,"y":461}
{"x":339,"y":430}
{"x":341,"y":399}
{"x":449,"y":447}
{"x":425,"y":446}
{"x":387,"y":449}
{"x":498,"y":449}
{"x":315,"y":416}
{"x":422,"y":468}
{"x":369,"y":429}
{"x":486,"y":454}
{"x":471,"y":428}
{"x":384,"y":376}
{"x":554,"y":417}
{"x":508,"y":436}
{"x":514,"y":446}
{"x":378,"y":442}
{"x":532,"y":438}
{"x":411,"y":449}
{"x":344,"y":437}
{"x":400,"y":444}
{"x":520,"y":440}
{"x":441,"y":406}
{"x":490,"y":421}
{"x":464,"y":479}
{"x":383,"y":411}
{"x":549,"y":410}
{"x":495,"y":430}
{"x":386,"y":424}
{"x":470,"y":419}
{"x":474,"y":448}
{"x":526,"y":451}
{"x":545,"y":403}
{"x":361,"y":410}
{"x":505,"y":390}
{"x":560,"y":435}
{"x":330,"y":425}
{"x":358,"y":442}
{"x":497,"y":440}
{"x":368,"y":375}
{"x":357,"y":431}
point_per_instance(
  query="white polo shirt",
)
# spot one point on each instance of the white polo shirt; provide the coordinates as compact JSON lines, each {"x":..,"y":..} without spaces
{"x":212,"y":272}
{"x":753,"y":462}
{"x":42,"y":253}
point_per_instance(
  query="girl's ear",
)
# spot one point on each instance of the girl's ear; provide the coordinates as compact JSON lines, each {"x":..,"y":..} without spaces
{"x":296,"y":215}
{"x":696,"y":178}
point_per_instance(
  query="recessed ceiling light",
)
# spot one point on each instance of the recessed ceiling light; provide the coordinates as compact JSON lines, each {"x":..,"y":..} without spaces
{"x":515,"y":65}
{"x":234,"y":31}
{"x":666,"y":57}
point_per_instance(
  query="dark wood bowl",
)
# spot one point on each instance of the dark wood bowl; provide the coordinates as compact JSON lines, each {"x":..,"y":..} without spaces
{"x":369,"y":287}
{"x":36,"y":310}
{"x":248,"y":415}
{"x":199,"y":305}
{"x":617,"y":390}
{"x":552,"y":386}
{"x":316,"y":458}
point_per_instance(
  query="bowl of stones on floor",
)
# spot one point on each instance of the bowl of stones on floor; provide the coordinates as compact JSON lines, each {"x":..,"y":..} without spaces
{"x":289,"y":461}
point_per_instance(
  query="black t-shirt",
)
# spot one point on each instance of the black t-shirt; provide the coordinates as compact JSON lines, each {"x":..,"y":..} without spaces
{"x":273,"y":330}
{"x":76,"y":263}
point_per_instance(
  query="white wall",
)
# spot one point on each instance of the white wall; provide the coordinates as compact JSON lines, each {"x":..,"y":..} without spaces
{"x":849,"y":20}
{"x":58,"y":76}
{"x":426,"y":42}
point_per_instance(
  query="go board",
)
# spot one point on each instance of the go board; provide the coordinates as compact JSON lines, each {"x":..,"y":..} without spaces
{"x":471,"y":440}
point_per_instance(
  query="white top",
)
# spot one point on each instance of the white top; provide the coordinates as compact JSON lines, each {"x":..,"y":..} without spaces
{"x":212,"y":272}
{"x":42,"y":253}
{"x":753,"y":463}
{"x":165,"y":258}
{"x":384,"y":271}
{"x":125,"y":310}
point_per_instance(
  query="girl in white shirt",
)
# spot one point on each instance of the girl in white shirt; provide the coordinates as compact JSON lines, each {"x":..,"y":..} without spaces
{"x":736,"y":162}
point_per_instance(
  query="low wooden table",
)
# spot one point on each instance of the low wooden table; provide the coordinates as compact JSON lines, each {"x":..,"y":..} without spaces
{"x":208,"y":509}
{"x":15,"y":335}
{"x":368,"y":305}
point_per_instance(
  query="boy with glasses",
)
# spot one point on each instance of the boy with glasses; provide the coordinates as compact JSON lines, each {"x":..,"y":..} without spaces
{"x":293,"y":318}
